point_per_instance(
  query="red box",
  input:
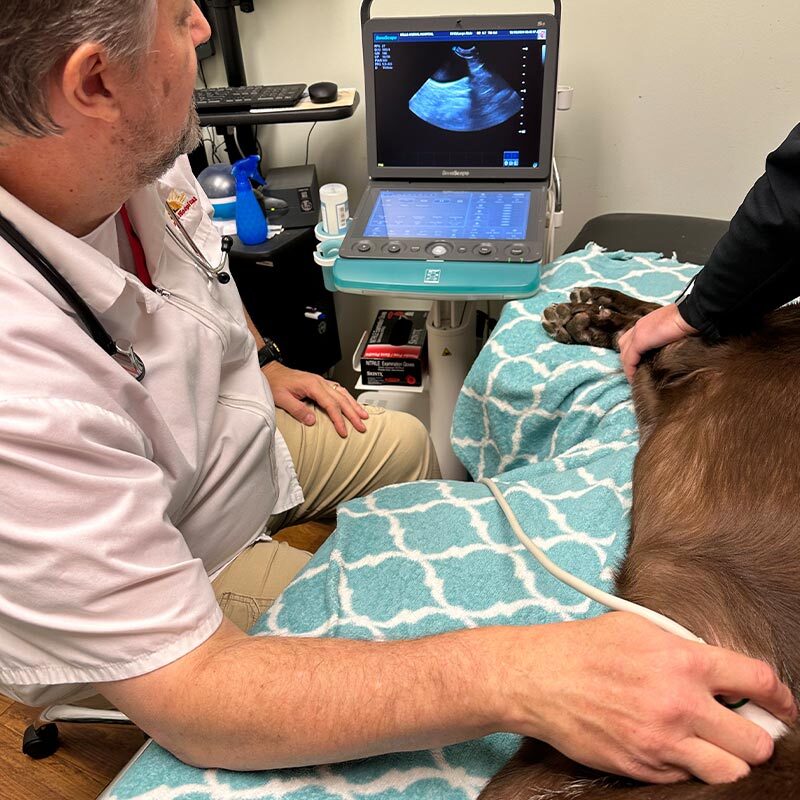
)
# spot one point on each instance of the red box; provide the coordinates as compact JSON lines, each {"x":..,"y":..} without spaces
{"x":396,"y":351}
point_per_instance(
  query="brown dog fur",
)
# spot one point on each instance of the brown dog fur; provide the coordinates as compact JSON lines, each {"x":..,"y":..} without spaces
{"x":715,"y":528}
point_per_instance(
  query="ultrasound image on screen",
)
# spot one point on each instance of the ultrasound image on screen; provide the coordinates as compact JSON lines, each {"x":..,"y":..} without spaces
{"x":476,"y":101}
{"x":452,"y":101}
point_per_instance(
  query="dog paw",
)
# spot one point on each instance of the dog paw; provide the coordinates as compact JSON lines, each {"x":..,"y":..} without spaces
{"x":591,"y":295}
{"x":583,"y":294}
{"x":554,"y":319}
{"x":578,"y":323}
{"x":611,"y":298}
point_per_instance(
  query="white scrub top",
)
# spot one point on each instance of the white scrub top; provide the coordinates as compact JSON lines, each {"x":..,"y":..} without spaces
{"x":119,"y":497}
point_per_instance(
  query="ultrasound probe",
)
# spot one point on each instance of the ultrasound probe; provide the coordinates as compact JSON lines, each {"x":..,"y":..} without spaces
{"x":744,"y":708}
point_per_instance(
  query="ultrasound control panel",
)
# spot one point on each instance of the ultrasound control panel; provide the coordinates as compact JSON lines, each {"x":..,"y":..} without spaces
{"x":485,"y":223}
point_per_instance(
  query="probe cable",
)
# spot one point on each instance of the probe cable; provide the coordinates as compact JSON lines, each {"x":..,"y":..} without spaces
{"x":743,"y":708}
{"x":592,"y":592}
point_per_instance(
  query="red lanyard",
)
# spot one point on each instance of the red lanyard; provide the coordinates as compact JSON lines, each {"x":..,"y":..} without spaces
{"x":139,"y":259}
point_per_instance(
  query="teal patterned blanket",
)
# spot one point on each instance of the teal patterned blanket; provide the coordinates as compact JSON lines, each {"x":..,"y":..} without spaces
{"x":554,"y":425}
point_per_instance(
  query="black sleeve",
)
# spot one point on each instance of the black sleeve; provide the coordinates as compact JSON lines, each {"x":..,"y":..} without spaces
{"x":755,"y":268}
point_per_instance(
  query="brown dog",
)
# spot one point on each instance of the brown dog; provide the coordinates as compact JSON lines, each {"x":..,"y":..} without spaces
{"x":715,"y":523}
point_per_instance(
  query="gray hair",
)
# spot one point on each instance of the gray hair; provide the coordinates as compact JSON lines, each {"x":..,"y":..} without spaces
{"x":36,"y":35}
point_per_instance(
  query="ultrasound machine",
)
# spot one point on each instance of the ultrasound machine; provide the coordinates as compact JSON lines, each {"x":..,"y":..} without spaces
{"x":460,"y":125}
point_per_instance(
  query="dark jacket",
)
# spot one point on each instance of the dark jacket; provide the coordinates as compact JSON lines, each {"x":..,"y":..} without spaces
{"x":755,"y":268}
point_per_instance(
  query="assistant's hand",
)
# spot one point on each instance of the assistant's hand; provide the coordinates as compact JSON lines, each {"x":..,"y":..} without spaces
{"x":619,"y":694}
{"x":290,"y":387}
{"x":658,"y":328}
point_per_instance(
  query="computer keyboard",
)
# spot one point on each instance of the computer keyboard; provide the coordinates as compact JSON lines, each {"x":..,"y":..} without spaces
{"x":244,"y":98}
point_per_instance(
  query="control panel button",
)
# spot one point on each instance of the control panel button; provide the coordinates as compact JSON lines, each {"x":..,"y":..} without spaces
{"x":364,"y":247}
{"x":485,"y":249}
{"x":463,"y":249}
{"x":516,"y":251}
{"x":394,"y":247}
{"x":439,"y":249}
{"x":415,"y":248}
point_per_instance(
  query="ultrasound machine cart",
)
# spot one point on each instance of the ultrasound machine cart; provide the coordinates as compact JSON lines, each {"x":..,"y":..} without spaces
{"x":460,"y":126}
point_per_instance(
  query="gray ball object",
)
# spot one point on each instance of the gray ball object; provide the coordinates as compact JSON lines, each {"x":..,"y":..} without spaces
{"x":217,"y":181}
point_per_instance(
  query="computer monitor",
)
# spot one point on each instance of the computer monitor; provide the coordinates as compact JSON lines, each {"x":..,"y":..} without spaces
{"x":461,"y":98}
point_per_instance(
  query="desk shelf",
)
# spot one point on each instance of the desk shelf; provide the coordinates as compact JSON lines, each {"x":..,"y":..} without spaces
{"x":304,"y":111}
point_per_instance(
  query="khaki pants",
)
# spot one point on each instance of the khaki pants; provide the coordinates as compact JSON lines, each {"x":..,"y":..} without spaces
{"x":395,"y":449}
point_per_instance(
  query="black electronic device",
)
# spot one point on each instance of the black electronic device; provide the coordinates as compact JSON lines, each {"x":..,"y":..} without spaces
{"x":461,"y":98}
{"x":461,"y":109}
{"x":298,"y":187}
{"x":323,"y":92}
{"x":246,"y":98}
{"x":274,"y":208}
{"x":284,"y":293}
{"x":269,"y":352}
{"x":491,"y":222}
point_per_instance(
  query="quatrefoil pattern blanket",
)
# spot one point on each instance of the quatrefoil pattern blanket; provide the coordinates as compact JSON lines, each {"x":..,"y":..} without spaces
{"x":554,"y":425}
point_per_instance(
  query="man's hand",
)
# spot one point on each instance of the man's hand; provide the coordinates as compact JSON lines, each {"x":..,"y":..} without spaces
{"x":290,"y":387}
{"x":660,"y":327}
{"x":619,"y":694}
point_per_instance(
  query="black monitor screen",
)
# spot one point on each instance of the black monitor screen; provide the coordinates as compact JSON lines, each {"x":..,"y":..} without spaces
{"x":459,"y":99}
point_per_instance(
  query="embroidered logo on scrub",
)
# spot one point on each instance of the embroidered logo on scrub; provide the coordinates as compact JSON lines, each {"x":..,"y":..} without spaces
{"x":180,"y":202}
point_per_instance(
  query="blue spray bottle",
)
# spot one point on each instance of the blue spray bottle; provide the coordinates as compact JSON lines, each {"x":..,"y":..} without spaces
{"x":251,"y":224}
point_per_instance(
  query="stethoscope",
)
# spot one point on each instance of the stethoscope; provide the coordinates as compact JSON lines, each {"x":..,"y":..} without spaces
{"x":192,"y":251}
{"x":121,"y":350}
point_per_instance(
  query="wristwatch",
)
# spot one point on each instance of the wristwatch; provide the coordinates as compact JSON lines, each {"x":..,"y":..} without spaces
{"x":269,"y":352}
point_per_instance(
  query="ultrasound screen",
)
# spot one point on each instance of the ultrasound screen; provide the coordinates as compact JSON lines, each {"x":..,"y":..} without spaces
{"x":450,"y":215}
{"x":459,"y":99}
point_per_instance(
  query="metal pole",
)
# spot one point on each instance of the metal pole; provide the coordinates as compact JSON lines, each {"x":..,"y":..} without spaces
{"x":228,"y":32}
{"x":451,"y":352}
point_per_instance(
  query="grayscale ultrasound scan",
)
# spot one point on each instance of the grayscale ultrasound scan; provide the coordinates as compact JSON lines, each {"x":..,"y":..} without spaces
{"x":465,"y":95}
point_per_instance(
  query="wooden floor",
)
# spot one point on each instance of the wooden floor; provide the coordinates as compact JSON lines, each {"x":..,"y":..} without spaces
{"x":90,"y":756}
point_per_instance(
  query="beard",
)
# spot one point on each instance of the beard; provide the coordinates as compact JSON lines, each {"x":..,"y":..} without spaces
{"x":153,"y":152}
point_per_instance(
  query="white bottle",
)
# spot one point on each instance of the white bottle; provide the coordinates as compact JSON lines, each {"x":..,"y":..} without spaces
{"x":335,"y":208}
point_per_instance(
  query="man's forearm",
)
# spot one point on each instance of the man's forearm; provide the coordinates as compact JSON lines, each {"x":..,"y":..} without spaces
{"x":269,"y":702}
{"x":256,"y":334}
{"x":615,"y":693}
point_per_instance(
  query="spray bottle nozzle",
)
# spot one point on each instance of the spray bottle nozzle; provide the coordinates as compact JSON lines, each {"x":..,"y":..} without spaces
{"x":247,"y":169}
{"x":251,"y":225}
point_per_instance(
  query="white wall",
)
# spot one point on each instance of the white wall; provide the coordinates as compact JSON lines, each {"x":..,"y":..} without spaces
{"x":676,"y":103}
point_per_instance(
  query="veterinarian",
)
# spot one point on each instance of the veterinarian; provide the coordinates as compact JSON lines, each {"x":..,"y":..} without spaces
{"x":754,"y":269}
{"x":121,"y":496}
